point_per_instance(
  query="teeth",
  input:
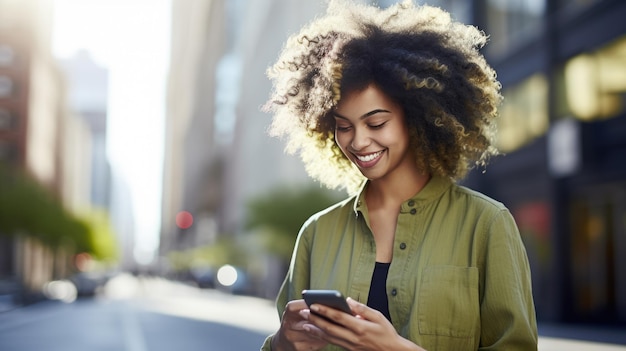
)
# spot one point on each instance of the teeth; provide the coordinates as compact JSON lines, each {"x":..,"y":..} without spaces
{"x":369,"y":157}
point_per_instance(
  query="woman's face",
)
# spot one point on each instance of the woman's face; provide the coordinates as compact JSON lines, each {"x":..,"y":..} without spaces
{"x":370,"y":130}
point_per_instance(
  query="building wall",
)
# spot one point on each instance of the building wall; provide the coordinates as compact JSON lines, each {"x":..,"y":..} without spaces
{"x":257,"y":162}
{"x":197,"y":42}
{"x":36,"y":131}
{"x":562,"y":130}
{"x":36,"y":135}
{"x":87,"y":96}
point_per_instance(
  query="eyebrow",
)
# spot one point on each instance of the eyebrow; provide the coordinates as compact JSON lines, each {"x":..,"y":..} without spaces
{"x":371,"y":113}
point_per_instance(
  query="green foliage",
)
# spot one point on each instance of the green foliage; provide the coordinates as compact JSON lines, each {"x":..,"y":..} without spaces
{"x":101,"y":242}
{"x":278,"y":215}
{"x":28,"y":208}
{"x":225,"y":251}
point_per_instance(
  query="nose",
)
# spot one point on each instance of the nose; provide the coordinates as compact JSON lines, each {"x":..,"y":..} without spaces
{"x":360,"y":139}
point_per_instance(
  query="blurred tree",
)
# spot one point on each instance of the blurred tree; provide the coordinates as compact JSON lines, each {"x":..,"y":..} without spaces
{"x":278,"y":215}
{"x":100,"y":239}
{"x":28,"y":208}
{"x":225,"y":251}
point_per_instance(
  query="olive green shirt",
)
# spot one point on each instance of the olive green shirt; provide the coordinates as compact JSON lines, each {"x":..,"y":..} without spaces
{"x":459,"y":279}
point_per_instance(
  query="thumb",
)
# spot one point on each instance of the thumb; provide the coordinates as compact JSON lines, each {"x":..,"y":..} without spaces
{"x":363,"y":311}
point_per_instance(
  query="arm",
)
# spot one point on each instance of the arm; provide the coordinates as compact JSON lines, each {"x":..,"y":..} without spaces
{"x":291,"y":335}
{"x":507,"y":309}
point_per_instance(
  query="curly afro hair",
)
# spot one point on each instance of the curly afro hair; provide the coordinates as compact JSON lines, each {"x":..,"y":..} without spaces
{"x":421,"y":58}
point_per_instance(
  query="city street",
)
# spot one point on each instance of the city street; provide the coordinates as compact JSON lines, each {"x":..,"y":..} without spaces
{"x":153,"y":314}
{"x":141,"y":315}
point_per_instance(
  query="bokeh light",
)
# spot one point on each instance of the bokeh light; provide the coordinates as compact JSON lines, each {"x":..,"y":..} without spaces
{"x":62,"y":290}
{"x":184,"y":219}
{"x":227,"y":275}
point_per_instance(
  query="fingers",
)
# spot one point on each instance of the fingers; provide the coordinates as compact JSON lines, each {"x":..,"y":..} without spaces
{"x":294,"y":333}
{"x":327,"y":318}
{"x":295,"y":306}
{"x":363,"y":311}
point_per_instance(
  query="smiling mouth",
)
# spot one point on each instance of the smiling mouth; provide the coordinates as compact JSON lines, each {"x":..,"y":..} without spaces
{"x":369,"y":157}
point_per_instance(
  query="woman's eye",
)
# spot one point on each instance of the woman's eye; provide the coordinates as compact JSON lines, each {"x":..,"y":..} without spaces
{"x":342,"y":128}
{"x":377,"y":126}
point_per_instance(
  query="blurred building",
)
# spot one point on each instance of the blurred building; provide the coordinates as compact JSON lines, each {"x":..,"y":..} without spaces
{"x":191,"y":162}
{"x":258,"y":163}
{"x":88,"y":85}
{"x":95,"y":187}
{"x":218,"y":153}
{"x":37,"y":133}
{"x":562,"y":129}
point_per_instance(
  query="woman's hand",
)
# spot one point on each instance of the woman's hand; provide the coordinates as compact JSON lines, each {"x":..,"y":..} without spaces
{"x":292,"y":336}
{"x":367,"y":330}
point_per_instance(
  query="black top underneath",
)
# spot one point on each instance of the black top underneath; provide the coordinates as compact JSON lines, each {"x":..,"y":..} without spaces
{"x":377,"y":298}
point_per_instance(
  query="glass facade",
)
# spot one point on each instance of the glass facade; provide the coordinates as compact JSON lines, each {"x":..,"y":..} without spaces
{"x":513,"y":22}
{"x":598,"y":225}
{"x":459,"y":9}
{"x":524,"y":113}
{"x":563,"y":63}
{"x":592,"y":85}
{"x":575,"y":4}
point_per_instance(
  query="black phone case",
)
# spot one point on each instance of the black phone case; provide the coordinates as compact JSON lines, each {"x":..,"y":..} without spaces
{"x":330,"y":298}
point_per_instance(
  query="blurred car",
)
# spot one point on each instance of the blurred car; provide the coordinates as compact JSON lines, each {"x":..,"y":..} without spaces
{"x":203,"y":277}
{"x":88,"y":283}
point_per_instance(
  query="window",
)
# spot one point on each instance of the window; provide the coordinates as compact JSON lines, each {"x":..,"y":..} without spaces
{"x":575,"y":3}
{"x":8,"y":151}
{"x":7,"y":120}
{"x":7,"y":57}
{"x":597,"y":216}
{"x":524,"y":113}
{"x":6,"y":87}
{"x":459,"y":9}
{"x":512,"y":21}
{"x":592,"y":85}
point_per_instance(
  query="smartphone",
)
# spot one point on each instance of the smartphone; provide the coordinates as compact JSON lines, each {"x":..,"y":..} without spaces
{"x":330,"y":298}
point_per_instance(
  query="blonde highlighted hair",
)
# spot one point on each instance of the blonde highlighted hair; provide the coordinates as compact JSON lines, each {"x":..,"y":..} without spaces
{"x":427,"y":62}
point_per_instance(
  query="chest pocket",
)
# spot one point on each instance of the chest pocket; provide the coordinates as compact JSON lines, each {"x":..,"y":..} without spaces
{"x":448,"y":302}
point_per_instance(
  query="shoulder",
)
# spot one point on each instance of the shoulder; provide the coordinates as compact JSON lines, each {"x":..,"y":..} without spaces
{"x":467,"y":196}
{"x":485,"y":212}
{"x":331,"y":216}
{"x":493,"y":220}
{"x":338,"y":210}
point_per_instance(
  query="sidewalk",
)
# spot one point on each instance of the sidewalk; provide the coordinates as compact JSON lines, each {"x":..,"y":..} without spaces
{"x":555,"y":344}
{"x":556,"y":337}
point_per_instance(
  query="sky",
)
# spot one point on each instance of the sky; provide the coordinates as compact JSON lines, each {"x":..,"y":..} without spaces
{"x":131,"y":39}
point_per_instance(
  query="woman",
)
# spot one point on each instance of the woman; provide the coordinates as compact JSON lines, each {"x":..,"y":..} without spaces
{"x":396,"y":105}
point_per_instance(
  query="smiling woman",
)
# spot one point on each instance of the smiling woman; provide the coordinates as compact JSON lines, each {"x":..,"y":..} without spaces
{"x":395,"y":105}
{"x":134,"y":48}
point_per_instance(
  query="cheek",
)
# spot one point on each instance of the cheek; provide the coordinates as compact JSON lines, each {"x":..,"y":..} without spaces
{"x":344,"y":145}
{"x":341,"y":140}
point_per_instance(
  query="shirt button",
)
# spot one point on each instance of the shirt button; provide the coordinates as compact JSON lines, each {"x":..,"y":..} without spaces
{"x":394,"y":292}
{"x":402,"y":246}
{"x":411,"y":203}
{"x":413,"y":211}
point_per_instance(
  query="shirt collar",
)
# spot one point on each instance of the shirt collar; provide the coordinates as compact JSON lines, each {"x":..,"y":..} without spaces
{"x":434,"y":188}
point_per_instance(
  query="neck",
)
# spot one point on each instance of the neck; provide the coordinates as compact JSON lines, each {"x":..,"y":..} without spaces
{"x":396,"y":189}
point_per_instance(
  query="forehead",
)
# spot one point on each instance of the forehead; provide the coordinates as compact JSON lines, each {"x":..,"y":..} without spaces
{"x":362,"y":101}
